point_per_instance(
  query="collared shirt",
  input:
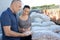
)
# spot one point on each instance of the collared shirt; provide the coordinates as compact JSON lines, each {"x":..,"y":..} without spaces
{"x":8,"y":18}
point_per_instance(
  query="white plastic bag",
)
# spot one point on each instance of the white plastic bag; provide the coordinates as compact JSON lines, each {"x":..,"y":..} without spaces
{"x":45,"y":35}
{"x":55,"y":28}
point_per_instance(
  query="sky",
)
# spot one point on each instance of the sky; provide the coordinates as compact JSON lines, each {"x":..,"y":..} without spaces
{"x":4,"y":4}
{"x":40,"y":2}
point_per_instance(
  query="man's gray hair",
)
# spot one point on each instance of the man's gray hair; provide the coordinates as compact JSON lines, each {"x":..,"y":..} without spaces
{"x":15,"y":1}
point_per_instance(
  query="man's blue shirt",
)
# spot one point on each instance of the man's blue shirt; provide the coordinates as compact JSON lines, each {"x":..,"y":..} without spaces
{"x":8,"y":18}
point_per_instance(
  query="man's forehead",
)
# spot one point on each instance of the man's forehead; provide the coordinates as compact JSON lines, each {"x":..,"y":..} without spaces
{"x":18,"y":2}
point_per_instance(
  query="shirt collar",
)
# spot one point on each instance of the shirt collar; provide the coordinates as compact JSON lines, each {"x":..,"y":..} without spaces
{"x":10,"y":12}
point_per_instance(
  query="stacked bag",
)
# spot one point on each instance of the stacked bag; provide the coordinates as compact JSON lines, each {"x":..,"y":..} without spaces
{"x":41,"y":25}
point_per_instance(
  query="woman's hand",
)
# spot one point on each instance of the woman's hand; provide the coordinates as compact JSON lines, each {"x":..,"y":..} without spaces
{"x":28,"y":29}
{"x":26,"y":33}
{"x":24,"y":29}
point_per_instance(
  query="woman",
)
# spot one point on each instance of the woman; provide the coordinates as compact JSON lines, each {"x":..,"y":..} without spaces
{"x":25,"y":22}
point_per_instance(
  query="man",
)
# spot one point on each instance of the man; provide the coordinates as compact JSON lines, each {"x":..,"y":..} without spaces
{"x":9,"y":22}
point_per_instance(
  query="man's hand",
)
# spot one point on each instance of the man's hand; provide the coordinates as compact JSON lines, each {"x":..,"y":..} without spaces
{"x":9,"y":32}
